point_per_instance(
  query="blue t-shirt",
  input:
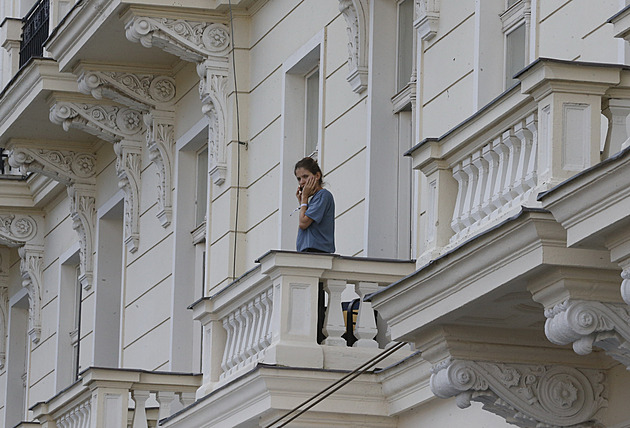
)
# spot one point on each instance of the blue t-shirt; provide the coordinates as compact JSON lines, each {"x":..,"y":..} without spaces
{"x":320,"y":235}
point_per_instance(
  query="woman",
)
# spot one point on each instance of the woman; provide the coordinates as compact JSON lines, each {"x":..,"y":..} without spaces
{"x":317,"y":216}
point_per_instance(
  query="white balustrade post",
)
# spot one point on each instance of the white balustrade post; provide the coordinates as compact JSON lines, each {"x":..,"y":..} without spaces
{"x":482,"y":166}
{"x":462,"y":185}
{"x":334,"y":327}
{"x":514,"y":148}
{"x":473,"y":175}
{"x":186,"y":398}
{"x":521,"y":132}
{"x":140,"y":411}
{"x":492,"y":158}
{"x":502,"y":182}
{"x":365,"y":329}
{"x":109,"y":407}
{"x":165,"y":399}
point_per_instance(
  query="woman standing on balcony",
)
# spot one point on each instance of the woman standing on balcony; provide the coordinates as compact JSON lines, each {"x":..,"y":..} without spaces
{"x":317,"y":216}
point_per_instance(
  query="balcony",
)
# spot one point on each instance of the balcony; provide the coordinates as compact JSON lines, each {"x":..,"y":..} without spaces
{"x":34,"y":32}
{"x":118,"y":398}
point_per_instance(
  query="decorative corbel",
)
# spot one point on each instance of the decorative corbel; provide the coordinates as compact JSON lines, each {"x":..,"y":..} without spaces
{"x":124,"y":127}
{"x":128,"y":167}
{"x":356,"y":13}
{"x":591,"y":323}
{"x":16,"y":229}
{"x":524,"y":395}
{"x":153,"y":95}
{"x":207,"y":44}
{"x":31,"y":268}
{"x":427,"y":18}
{"x":4,"y":303}
{"x":625,"y":285}
{"x":213,"y":91}
{"x":77,"y":171}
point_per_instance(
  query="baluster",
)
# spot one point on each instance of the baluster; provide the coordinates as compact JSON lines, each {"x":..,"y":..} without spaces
{"x":253,"y":330}
{"x":165,"y":400}
{"x":246,"y":316}
{"x":525,"y":137}
{"x":242,"y":336}
{"x":365,"y":329}
{"x":514,"y":147}
{"x":186,"y":398}
{"x":462,"y":185}
{"x":492,"y":158}
{"x":531,"y":175}
{"x":140,"y":412}
{"x":268,"y":305}
{"x":61,"y":422}
{"x":85,"y":415}
{"x":498,"y":199}
{"x":260,"y":325}
{"x":334,"y":327}
{"x":234,"y":323}
{"x":481,"y":164}
{"x":473,"y":177}
{"x":74,"y":418}
{"x":225,"y":361}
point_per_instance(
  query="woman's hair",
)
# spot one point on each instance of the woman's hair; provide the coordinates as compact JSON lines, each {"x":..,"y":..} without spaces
{"x":311,"y":165}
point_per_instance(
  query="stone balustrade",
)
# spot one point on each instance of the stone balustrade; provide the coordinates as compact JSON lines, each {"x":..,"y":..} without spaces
{"x":275,"y":313}
{"x":118,"y":398}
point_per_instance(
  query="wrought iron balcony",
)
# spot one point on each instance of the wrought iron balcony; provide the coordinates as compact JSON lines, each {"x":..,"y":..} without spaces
{"x":35,"y":32}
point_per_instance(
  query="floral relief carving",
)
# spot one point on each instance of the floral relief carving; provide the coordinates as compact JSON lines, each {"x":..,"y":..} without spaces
{"x":31,"y":268}
{"x":213,"y":93}
{"x":128,"y":168}
{"x":161,"y":142}
{"x":355,"y":12}
{"x":16,"y":229}
{"x":65,"y":166}
{"x":525,"y":395}
{"x":83,"y":213}
{"x":586,"y":324}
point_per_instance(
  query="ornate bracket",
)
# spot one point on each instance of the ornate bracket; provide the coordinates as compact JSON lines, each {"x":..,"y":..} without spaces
{"x":153,"y":94}
{"x":357,"y":20}
{"x":4,"y":303}
{"x":213,"y":92}
{"x":625,"y":285}
{"x":16,"y":229}
{"x":76,"y":170}
{"x":206,"y":44}
{"x":31,"y":268}
{"x":427,"y":18}
{"x":525,"y":395}
{"x":128,"y":166}
{"x":124,"y":127}
{"x":587,"y":323}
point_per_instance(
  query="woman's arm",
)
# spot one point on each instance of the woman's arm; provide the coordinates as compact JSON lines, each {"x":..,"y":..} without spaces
{"x":308,"y":191}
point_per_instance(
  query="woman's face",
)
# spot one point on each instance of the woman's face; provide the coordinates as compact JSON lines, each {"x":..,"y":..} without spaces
{"x":303,"y":175}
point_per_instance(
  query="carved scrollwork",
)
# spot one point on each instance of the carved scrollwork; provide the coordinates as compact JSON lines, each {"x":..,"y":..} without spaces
{"x":355,"y":12}
{"x":65,"y":166}
{"x":128,"y":168}
{"x":625,"y":285}
{"x":110,"y":123}
{"x":31,"y":268}
{"x":427,"y":18}
{"x":192,"y":41}
{"x":131,"y":89}
{"x":586,"y":324}
{"x":83,"y":213}
{"x":17,"y":229}
{"x":525,"y":395}
{"x":161,"y":142}
{"x":213,"y":92}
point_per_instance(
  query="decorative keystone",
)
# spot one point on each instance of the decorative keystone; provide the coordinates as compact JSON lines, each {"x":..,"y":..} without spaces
{"x":586,"y":324}
{"x":524,"y":395}
{"x":356,"y":13}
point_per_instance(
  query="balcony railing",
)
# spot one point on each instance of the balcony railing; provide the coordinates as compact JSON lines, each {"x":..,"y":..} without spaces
{"x":34,"y":32}
{"x":6,"y":171}
{"x":118,"y":398}
{"x":289,"y":312}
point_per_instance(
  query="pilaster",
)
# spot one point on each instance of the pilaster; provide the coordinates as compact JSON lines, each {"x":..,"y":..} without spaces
{"x":356,"y":14}
{"x":124,"y":127}
{"x":4,"y":303}
{"x":75,"y":169}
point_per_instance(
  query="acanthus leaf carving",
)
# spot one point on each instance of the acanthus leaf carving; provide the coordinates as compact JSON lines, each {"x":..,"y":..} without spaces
{"x":161,"y":142}
{"x":585,"y":324}
{"x":135,"y":90}
{"x":192,"y":41}
{"x":355,"y":12}
{"x":128,"y":169}
{"x":427,"y":18}
{"x":525,"y":395}
{"x":31,"y":268}
{"x":64,"y":166}
{"x":83,"y":213}
{"x":4,"y":303}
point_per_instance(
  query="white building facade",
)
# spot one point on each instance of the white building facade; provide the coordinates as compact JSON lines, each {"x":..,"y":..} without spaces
{"x":477,"y":151}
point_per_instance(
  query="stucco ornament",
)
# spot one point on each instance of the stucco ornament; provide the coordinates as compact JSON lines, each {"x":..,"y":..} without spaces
{"x":525,"y":395}
{"x":427,"y":18}
{"x":4,"y":303}
{"x":128,"y":168}
{"x":586,"y":324}
{"x":355,"y":12}
{"x":16,"y":229}
{"x":160,"y":139}
{"x":625,"y":285}
{"x":31,"y":268}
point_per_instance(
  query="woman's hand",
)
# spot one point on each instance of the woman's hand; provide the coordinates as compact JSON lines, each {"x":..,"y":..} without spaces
{"x":309,"y":189}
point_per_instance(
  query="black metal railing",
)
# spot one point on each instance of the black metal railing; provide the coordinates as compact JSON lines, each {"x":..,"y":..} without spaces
{"x":34,"y":32}
{"x":4,"y":164}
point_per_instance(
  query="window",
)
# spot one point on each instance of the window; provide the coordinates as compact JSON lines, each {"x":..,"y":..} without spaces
{"x":201,"y":187}
{"x":17,"y":360}
{"x":516,"y":35}
{"x":405,"y":44}
{"x":311,"y":114}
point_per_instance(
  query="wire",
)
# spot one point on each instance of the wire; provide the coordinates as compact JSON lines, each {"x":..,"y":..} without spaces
{"x":323,"y":394}
{"x":238,"y":140}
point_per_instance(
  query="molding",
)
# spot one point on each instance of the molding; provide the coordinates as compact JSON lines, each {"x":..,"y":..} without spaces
{"x":136,"y":90}
{"x":625,"y":285}
{"x":4,"y":304}
{"x":128,"y":169}
{"x":356,"y":14}
{"x":524,"y":395}
{"x":213,"y":91}
{"x":161,"y":143}
{"x":427,"y":18}
{"x":31,"y":269}
{"x":192,"y":41}
{"x":589,"y":323}
{"x":77,"y":171}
